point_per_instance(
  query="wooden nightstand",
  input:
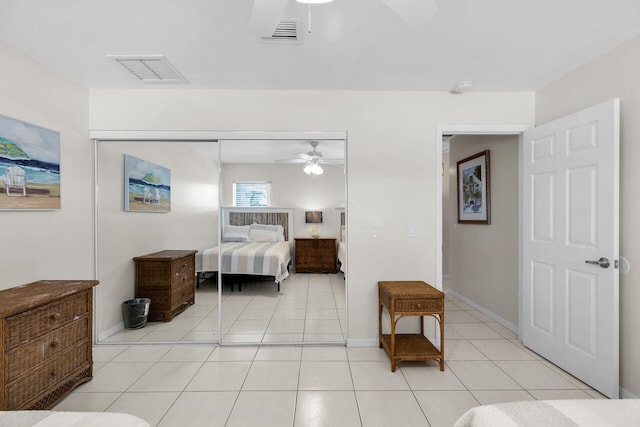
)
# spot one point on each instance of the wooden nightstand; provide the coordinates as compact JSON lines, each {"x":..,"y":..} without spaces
{"x":316,"y":255}
{"x":410,"y":298}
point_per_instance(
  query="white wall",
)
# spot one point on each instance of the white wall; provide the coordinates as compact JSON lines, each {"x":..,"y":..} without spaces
{"x":56,"y":244}
{"x":613,"y":75}
{"x":191,"y":224}
{"x":390,"y":151}
{"x":292,"y":188}
{"x":483,"y":259}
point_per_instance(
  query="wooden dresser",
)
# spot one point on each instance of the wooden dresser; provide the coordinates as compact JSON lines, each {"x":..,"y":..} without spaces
{"x":316,"y":255}
{"x":168,"y":279}
{"x":46,"y":339}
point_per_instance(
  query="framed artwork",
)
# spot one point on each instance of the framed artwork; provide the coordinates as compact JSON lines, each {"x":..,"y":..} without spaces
{"x":29,"y":166}
{"x":474,"y":190}
{"x":147,"y":186}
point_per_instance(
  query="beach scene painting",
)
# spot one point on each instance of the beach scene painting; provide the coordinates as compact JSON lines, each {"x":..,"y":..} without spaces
{"x":147,"y":186}
{"x":29,"y":166}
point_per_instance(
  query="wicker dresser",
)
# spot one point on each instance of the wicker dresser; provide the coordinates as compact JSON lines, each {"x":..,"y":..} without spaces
{"x":316,"y":255}
{"x":168,"y":279}
{"x":410,"y":298}
{"x":46,"y":339}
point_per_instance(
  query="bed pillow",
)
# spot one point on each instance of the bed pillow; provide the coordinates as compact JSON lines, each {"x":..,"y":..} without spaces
{"x":236,"y":233}
{"x":266,"y":233}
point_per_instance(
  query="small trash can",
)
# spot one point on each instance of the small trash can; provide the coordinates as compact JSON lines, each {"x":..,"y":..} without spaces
{"x":135,"y":311}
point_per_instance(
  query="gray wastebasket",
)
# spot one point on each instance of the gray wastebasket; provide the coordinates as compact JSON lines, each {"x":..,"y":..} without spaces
{"x":135,"y":311}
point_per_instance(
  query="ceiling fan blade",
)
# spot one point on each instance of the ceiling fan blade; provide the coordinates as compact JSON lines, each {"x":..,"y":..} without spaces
{"x":335,"y":162}
{"x":415,"y":12}
{"x":291,"y":161}
{"x":304,"y":156}
{"x":266,"y":15}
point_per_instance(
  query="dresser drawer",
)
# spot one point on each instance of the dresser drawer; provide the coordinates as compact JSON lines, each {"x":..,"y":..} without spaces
{"x":24,"y":357}
{"x":419,"y":305}
{"x":33,"y":323}
{"x":47,"y":375}
{"x":183,"y":278}
{"x":183,"y":265}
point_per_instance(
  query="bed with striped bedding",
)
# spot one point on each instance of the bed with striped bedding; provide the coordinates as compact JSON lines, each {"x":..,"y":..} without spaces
{"x":251,"y":258}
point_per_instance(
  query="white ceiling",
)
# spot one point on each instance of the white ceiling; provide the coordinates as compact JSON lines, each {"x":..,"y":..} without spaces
{"x":499,"y":45}
{"x":256,"y":151}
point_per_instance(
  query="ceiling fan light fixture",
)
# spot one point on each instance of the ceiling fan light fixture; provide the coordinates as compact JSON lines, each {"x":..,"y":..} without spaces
{"x":316,"y":169}
{"x":307,"y":169}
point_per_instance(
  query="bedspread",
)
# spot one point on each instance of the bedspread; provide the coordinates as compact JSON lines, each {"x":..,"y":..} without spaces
{"x":261,"y":259}
{"x":555,"y":413}
{"x":69,"y":419}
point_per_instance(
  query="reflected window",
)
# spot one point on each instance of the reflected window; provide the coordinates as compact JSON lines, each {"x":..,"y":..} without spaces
{"x":254,"y":193}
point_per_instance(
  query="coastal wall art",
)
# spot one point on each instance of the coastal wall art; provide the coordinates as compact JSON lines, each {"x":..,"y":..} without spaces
{"x":147,"y":186}
{"x":29,"y":166}
{"x":474,"y":189}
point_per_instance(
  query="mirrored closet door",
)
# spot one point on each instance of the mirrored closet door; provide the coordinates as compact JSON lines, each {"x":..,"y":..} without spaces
{"x":280,"y":204}
{"x":157,"y":203}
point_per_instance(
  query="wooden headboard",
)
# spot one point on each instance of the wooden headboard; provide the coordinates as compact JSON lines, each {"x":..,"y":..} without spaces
{"x":268,"y":216}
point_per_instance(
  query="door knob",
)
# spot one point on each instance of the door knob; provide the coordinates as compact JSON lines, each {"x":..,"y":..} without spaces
{"x":602,"y":262}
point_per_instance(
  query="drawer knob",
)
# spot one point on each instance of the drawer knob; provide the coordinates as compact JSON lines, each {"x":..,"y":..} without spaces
{"x":55,"y":316}
{"x":54,"y":373}
{"x":419,"y":305}
{"x":54,"y":344}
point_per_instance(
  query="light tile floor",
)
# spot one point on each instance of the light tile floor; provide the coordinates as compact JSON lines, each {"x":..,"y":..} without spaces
{"x":205,"y":385}
{"x":308,"y":308}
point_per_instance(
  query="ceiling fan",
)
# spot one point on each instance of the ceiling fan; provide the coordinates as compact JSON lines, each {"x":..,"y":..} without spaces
{"x":266,"y":14}
{"x":312,"y":160}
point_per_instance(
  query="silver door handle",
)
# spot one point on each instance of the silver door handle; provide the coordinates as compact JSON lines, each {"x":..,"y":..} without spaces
{"x":602,"y":262}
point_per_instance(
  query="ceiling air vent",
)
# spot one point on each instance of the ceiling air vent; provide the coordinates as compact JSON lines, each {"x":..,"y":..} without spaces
{"x":287,"y":31}
{"x":150,"y":68}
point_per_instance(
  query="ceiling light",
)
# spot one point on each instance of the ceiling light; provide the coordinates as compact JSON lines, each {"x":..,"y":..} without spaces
{"x":313,"y":168}
{"x":310,"y":2}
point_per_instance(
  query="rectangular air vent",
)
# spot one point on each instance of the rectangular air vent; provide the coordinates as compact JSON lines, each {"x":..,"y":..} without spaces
{"x":287,"y":31}
{"x":150,"y":68}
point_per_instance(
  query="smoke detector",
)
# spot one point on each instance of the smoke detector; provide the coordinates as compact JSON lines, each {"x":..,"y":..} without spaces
{"x":461,"y":87}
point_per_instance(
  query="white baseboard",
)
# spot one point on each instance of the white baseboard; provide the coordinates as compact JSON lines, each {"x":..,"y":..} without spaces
{"x":362,"y":342}
{"x":513,"y":328}
{"x":625,"y":394}
{"x":106,"y":334}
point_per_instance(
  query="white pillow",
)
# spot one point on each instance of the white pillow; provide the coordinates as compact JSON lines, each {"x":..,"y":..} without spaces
{"x":236,"y":233}
{"x":266,"y":233}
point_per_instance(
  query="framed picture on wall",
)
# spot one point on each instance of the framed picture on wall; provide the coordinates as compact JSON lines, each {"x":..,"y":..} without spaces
{"x":29,"y":166}
{"x":147,"y":186}
{"x":474,"y":190}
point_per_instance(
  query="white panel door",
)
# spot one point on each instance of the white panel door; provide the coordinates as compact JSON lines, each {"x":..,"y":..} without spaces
{"x":569,"y":222}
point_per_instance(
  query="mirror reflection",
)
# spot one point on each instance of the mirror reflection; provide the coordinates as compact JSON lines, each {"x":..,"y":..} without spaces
{"x":267,"y":220}
{"x":156,"y":231}
{"x":280,"y":216}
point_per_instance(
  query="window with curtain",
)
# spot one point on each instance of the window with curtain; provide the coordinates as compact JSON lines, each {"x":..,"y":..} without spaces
{"x":254,"y":193}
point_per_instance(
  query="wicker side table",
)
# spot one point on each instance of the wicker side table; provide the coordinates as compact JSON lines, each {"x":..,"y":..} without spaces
{"x":410,"y":298}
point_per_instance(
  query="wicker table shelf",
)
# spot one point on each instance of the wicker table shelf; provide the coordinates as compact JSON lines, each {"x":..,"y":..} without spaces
{"x":410,"y":298}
